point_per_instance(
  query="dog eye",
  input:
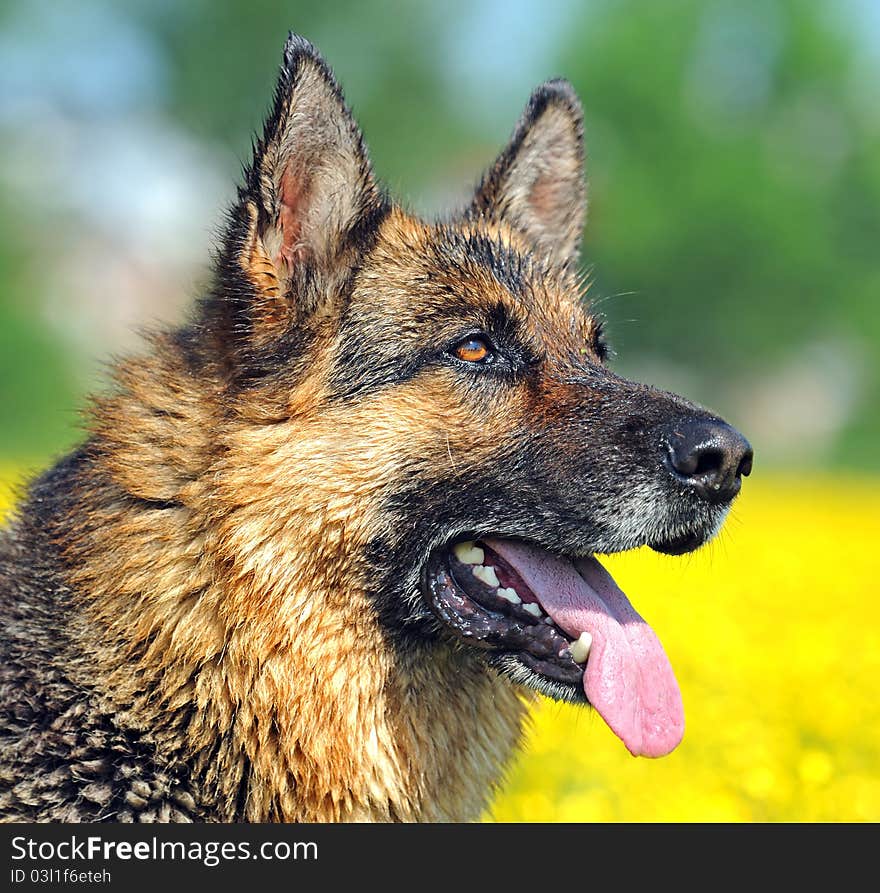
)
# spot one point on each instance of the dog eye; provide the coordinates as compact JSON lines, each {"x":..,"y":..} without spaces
{"x":474,"y":349}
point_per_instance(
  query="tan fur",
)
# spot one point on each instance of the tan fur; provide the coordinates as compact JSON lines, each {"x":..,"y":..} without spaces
{"x":219,"y":602}
{"x":214,"y":560}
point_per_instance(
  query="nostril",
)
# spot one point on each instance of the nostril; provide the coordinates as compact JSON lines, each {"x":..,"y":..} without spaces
{"x":694,"y":461}
{"x":709,"y":461}
{"x":745,"y":464}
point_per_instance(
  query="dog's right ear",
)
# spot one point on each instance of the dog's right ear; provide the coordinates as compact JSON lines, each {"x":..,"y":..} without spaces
{"x":307,"y":205}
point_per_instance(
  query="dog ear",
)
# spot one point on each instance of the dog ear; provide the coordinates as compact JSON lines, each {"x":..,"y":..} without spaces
{"x":537,"y":184}
{"x":308,"y":198}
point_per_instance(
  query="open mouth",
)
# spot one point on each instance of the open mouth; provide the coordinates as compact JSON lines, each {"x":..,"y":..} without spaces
{"x":564,"y":620}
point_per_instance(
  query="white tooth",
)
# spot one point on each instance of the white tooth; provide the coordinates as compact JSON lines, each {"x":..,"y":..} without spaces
{"x":548,"y":621}
{"x":468,"y":553}
{"x":580,"y":650}
{"x":533,"y":608}
{"x":486,"y":573}
{"x":511,"y":595}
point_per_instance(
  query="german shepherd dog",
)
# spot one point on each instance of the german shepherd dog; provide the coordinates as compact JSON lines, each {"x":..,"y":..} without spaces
{"x":323,"y":543}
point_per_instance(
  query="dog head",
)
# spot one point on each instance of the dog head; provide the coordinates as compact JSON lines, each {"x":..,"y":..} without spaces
{"x":442,"y":391}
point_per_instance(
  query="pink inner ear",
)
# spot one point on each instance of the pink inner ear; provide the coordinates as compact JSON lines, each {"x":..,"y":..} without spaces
{"x":547,"y":199}
{"x":294,"y":194}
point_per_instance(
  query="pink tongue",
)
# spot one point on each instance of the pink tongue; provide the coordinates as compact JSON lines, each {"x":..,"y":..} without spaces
{"x":628,"y":678}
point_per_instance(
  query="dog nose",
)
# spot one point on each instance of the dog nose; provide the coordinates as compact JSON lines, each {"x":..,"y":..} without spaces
{"x":709,"y":456}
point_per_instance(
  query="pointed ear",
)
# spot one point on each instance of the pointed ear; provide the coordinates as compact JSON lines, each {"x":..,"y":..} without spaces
{"x":536,"y":185}
{"x":307,"y":198}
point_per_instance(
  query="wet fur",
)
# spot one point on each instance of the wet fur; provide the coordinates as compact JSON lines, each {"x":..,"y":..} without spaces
{"x":212,"y":610}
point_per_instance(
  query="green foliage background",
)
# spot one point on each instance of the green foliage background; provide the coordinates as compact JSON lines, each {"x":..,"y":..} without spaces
{"x":732,"y":243}
{"x":734,"y":161}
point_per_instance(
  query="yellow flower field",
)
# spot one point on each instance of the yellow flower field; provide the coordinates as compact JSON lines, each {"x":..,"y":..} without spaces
{"x":774,"y":633}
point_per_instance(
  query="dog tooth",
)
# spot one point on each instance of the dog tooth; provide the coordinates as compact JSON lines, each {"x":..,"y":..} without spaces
{"x":533,"y":608}
{"x":486,"y":573}
{"x":580,"y":650}
{"x":510,"y":595}
{"x":469,"y":553}
{"x":548,"y":621}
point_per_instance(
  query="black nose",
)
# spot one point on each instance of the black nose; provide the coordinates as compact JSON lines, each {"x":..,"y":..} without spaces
{"x":709,"y":456}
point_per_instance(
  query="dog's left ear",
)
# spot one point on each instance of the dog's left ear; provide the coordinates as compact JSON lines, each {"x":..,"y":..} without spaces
{"x":537,"y":184}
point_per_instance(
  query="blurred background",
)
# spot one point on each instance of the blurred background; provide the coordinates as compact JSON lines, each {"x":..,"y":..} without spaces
{"x":734,"y":246}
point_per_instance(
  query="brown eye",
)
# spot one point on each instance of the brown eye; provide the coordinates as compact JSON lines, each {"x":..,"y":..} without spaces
{"x":471,"y":350}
